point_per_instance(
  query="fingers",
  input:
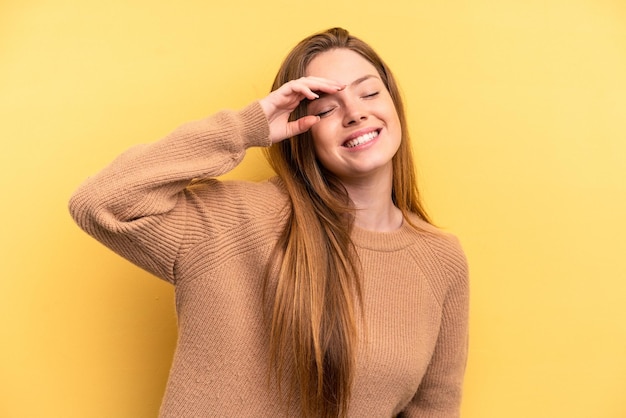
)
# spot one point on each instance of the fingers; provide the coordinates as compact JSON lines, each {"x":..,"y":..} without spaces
{"x":309,"y":86}
{"x":279,"y":104}
{"x":287,"y":97}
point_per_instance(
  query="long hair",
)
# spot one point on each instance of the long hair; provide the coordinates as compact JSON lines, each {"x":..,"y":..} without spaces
{"x":318,"y":290}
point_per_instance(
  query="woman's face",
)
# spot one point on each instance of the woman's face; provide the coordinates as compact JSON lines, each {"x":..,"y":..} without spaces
{"x":359,"y":131}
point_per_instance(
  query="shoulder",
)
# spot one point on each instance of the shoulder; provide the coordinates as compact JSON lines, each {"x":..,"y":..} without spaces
{"x":444,"y":244}
{"x":443,"y":253}
{"x":227,"y":217}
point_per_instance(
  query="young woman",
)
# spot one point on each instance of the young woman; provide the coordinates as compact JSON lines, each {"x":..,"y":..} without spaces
{"x":322,"y":292}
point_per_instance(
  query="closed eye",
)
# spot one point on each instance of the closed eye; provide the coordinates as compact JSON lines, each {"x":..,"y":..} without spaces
{"x":324,"y":113}
{"x":374,"y":94}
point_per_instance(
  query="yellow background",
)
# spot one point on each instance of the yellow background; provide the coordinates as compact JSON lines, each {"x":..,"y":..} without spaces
{"x":518,"y":113}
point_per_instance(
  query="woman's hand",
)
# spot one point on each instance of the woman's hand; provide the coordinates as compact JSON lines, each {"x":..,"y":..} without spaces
{"x":279,"y":104}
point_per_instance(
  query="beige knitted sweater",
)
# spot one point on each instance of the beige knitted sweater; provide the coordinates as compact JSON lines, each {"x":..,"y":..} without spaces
{"x":212,"y":240}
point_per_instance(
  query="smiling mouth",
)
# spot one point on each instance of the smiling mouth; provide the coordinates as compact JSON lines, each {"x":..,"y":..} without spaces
{"x":360,"y":140}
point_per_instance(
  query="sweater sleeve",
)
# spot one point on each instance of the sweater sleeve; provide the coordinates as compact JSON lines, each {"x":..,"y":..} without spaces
{"x":138,"y":205}
{"x":439,"y":394}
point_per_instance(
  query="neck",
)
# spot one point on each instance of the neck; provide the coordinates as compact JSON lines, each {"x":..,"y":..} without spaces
{"x":375,"y":210}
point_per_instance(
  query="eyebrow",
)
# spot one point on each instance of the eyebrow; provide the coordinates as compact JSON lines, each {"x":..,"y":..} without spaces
{"x":362,"y":79}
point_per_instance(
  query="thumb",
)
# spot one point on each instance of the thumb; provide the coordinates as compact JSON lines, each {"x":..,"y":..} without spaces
{"x":303,"y":124}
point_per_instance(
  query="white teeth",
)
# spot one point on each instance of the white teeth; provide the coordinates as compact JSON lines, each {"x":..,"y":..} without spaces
{"x":361,"y":139}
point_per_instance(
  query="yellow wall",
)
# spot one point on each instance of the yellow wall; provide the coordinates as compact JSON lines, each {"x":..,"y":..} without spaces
{"x":518,"y":111}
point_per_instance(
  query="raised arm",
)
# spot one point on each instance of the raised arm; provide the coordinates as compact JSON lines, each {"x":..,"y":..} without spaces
{"x":139,"y":205}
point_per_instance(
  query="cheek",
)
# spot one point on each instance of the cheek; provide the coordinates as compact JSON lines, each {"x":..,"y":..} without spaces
{"x":394,"y":121}
{"x":322,"y":147}
{"x":320,"y":135}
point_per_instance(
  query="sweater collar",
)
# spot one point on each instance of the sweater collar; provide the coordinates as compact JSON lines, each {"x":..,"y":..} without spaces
{"x":395,"y":240}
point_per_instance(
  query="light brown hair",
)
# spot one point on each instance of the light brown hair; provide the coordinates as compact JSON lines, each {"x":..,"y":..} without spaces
{"x":318,"y":291}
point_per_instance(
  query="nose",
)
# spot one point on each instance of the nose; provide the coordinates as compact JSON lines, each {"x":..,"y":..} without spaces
{"x":354,"y":112}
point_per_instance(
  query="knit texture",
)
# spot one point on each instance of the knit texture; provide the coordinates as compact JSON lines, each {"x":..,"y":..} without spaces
{"x":160,"y":206}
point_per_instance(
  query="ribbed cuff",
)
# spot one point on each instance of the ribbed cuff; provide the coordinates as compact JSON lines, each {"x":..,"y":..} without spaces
{"x":255,"y":126}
